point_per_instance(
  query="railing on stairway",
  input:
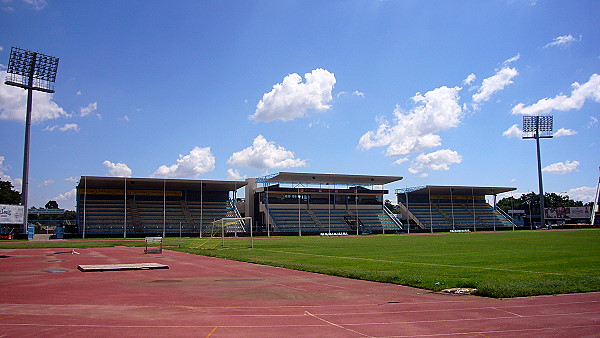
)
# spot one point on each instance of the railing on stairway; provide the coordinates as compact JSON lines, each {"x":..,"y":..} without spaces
{"x":393,"y":217}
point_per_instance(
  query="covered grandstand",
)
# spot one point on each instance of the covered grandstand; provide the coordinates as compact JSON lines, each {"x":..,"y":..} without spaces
{"x":310,"y":203}
{"x":445,"y":208}
{"x":119,"y":206}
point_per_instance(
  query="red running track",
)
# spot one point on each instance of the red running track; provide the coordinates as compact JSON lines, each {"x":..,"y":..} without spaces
{"x":210,"y":297}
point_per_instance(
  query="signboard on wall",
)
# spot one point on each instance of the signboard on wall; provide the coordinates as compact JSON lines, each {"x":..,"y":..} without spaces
{"x":11,"y":214}
{"x":568,"y":212}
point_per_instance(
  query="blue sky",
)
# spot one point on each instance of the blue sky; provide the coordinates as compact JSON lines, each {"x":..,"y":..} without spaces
{"x":433,"y":91}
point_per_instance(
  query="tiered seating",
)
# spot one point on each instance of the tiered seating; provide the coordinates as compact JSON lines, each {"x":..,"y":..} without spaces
{"x":321,"y":219}
{"x":287,"y":220}
{"x":203,"y":214}
{"x":488,"y":216}
{"x":373,"y":219}
{"x":106,"y":217}
{"x":429,"y":215}
{"x":463,"y":215}
{"x":156,"y":216}
{"x":335,"y":222}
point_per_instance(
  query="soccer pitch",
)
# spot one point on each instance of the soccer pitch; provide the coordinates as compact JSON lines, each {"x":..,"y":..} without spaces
{"x":498,"y":264}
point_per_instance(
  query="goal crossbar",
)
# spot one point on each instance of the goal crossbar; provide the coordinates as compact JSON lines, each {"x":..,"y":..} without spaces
{"x":232,"y":225}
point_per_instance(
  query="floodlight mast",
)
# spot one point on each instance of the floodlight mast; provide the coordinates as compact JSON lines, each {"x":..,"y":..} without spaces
{"x":31,"y":71}
{"x":538,"y":127}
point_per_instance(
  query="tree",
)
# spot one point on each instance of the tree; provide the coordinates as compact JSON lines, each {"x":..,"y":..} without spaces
{"x":51,"y":205}
{"x":8,"y":195}
{"x":532,"y":200}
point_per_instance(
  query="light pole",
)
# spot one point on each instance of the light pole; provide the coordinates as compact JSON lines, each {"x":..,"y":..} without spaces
{"x":32,"y":71}
{"x":538,"y":127}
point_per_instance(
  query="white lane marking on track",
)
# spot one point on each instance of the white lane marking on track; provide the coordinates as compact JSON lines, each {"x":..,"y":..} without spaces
{"x":334,"y":324}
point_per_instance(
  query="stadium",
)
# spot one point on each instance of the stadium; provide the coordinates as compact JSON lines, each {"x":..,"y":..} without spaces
{"x":285,"y":203}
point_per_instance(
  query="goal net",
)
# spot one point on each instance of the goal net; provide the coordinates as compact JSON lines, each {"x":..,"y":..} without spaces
{"x":230,"y":232}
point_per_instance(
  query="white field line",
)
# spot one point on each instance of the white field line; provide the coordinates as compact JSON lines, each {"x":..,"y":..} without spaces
{"x":428,"y":264}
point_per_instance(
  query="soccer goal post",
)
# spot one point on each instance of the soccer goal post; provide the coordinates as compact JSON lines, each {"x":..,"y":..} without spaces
{"x":237,"y":230}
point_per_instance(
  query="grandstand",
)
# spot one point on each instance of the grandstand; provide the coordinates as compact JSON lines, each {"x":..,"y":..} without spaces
{"x":446,"y":208}
{"x":120,"y":206}
{"x":309,"y":203}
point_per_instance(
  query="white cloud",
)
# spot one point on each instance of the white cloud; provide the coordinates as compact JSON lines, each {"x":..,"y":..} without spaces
{"x":561,"y":168}
{"x":512,"y":59}
{"x":72,"y":179}
{"x":68,"y":196}
{"x":357,"y":93}
{"x":199,"y":161}
{"x":495,"y":83}
{"x":415,"y":130}
{"x":564,"y":132}
{"x":67,"y":127}
{"x":292,"y":98}
{"x":117,"y":169}
{"x":592,"y":123}
{"x":87,"y":110}
{"x":437,"y":160}
{"x":513,"y":132}
{"x":70,"y":127}
{"x":400,"y":161}
{"x":46,"y":183}
{"x":234,"y":174}
{"x":263,"y":155}
{"x":562,"y":41}
{"x":584,"y":194}
{"x":37,"y":4}
{"x":580,"y":93}
{"x":78,"y":93}
{"x":470,"y":79}
{"x":13,"y":104}
{"x":16,"y":182}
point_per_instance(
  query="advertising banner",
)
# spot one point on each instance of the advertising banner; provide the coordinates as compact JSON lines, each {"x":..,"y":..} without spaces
{"x":11,"y":214}
{"x":567,"y":212}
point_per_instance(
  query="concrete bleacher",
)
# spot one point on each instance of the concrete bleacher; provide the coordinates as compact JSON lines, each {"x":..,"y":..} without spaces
{"x":445,"y":215}
{"x":106,"y":217}
{"x":319,"y":218}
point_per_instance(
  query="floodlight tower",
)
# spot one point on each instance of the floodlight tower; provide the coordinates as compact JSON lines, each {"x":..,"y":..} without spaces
{"x":538,"y":127}
{"x":32,"y":71}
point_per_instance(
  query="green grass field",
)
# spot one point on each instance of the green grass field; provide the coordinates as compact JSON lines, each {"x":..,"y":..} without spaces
{"x":498,"y":264}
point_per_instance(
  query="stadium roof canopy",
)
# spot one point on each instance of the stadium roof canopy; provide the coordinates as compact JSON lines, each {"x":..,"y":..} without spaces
{"x":158,"y":183}
{"x":332,"y":178}
{"x":457,"y":190}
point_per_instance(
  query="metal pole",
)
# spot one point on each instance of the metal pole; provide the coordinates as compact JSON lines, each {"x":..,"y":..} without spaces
{"x":430,"y":212}
{"x":164,"y":207}
{"x":267,"y":207}
{"x":299,"y":223}
{"x":356,"y":207}
{"x":25,"y":184}
{"x":541,"y":186}
{"x":329,"y":208}
{"x":382,"y":204}
{"x":125,"y":212}
{"x":452,"y":208}
{"x":201,"y":209}
{"x":84,"y":202}
{"x":406,"y":207}
{"x":494,"y":210}
{"x":473,"y":196}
